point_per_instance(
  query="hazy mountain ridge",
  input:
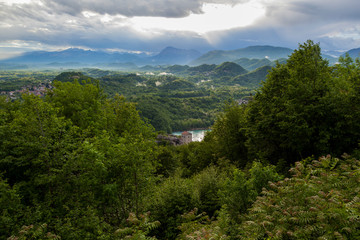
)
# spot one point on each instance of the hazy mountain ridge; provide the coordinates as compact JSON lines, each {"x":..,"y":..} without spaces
{"x":252,"y":64}
{"x":169,"y":55}
{"x":75,"y":57}
{"x":258,"y":52}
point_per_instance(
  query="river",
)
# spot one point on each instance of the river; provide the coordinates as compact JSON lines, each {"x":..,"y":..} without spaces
{"x":197,"y":135}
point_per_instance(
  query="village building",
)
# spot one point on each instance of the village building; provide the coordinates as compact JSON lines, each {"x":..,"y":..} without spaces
{"x":186,"y":137}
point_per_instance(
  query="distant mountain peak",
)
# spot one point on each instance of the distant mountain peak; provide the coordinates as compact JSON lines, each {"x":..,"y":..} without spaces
{"x":171,"y":55}
{"x":75,"y":50}
{"x":171,"y":49}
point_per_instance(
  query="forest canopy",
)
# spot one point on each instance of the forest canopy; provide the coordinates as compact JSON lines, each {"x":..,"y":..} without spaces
{"x":76,"y":164}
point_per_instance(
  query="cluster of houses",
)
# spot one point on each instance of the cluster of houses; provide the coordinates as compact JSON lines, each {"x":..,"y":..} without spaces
{"x":39,"y":90}
{"x":242,"y":101}
{"x":245,"y":100}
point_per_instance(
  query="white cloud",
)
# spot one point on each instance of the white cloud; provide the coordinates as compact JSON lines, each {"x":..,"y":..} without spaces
{"x":13,"y":2}
{"x":131,"y":8}
{"x":215,"y":17}
{"x":150,"y":25}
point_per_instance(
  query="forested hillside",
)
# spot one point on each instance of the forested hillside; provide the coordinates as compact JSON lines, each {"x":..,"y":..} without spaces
{"x":182,"y":98}
{"x":80,"y":164}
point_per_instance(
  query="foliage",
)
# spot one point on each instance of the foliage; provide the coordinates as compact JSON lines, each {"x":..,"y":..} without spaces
{"x":71,"y":76}
{"x":241,"y":189}
{"x":79,"y":161}
{"x":346,"y":101}
{"x":199,"y":226}
{"x":294,"y":115}
{"x":229,"y":69}
{"x":252,"y":64}
{"x":206,"y":187}
{"x":236,"y":195}
{"x":34,"y":232}
{"x":195,"y":157}
{"x":167,"y":163}
{"x":178,"y":84}
{"x":171,"y":113}
{"x":171,"y":199}
{"x":139,"y":227}
{"x":228,"y":133}
{"x":87,"y":164}
{"x":10,"y":208}
{"x":253,"y":78}
{"x":261,"y":175}
{"x":320,"y":201}
{"x":189,"y":99}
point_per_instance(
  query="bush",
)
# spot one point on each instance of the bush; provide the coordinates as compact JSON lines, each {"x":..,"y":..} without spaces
{"x":320,"y":201}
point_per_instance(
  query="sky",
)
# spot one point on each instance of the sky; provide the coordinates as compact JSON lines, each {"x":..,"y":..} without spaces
{"x":148,"y":26}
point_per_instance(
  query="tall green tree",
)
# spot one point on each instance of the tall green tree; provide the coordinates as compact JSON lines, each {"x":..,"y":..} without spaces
{"x":81,"y":103}
{"x":293,"y":116}
{"x":228,"y":134}
{"x":346,"y":102}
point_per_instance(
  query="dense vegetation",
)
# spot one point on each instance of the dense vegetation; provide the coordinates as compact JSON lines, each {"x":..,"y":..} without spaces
{"x":77,"y":164}
{"x":181,"y":98}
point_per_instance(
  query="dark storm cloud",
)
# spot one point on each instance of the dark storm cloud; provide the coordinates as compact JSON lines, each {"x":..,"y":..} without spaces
{"x":305,"y":11}
{"x":62,"y":23}
{"x":335,"y":23}
{"x":45,"y":25}
{"x":130,"y":8}
{"x":291,"y":22}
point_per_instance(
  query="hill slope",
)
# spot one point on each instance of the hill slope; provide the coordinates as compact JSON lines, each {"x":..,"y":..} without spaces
{"x":252,"y":64}
{"x":353,"y":53}
{"x":229,"y":69}
{"x":252,"y":78}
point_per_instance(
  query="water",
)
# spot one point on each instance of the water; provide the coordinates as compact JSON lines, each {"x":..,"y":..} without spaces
{"x":197,"y":135}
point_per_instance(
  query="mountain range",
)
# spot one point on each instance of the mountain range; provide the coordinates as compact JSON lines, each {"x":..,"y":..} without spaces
{"x":77,"y":58}
{"x":258,"y":52}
